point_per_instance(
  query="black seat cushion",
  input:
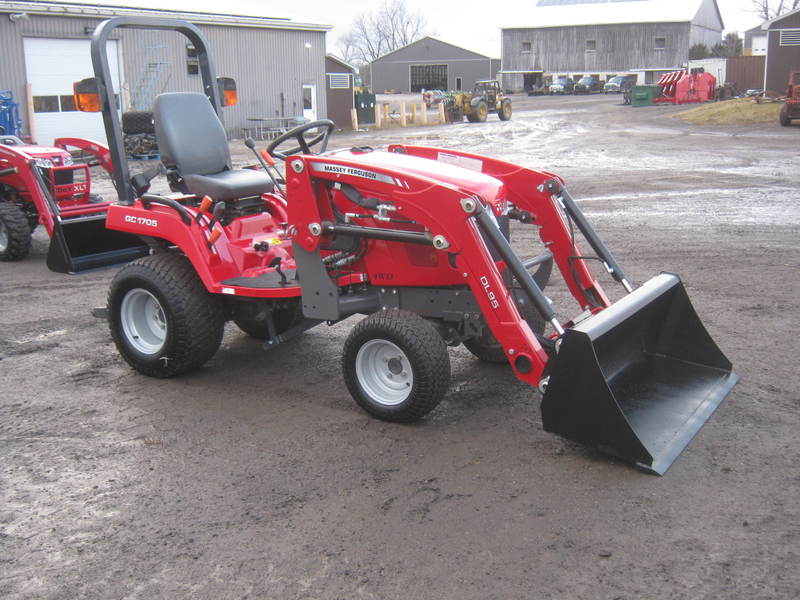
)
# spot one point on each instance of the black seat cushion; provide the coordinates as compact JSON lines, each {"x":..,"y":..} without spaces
{"x":229,"y":185}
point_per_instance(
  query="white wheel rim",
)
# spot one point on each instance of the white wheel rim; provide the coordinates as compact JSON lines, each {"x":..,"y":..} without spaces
{"x":143,"y":321}
{"x":3,"y":237}
{"x":384,"y":372}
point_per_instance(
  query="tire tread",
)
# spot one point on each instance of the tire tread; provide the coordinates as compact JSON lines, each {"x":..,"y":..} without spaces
{"x":18,"y":230}
{"x":197,"y":318}
{"x":418,"y":339}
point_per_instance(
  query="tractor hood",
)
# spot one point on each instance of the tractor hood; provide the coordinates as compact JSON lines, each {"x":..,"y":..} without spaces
{"x":449,"y":169}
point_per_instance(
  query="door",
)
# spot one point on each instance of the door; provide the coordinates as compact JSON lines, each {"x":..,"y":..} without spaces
{"x":52,"y":66}
{"x":458,"y":84}
{"x":310,"y":101}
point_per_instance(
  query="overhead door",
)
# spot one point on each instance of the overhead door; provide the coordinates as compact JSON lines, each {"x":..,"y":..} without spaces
{"x":52,"y":65}
{"x":427,"y":77}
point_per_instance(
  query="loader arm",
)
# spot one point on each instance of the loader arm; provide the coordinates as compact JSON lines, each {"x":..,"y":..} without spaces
{"x":527,"y":191}
{"x":449,"y":217}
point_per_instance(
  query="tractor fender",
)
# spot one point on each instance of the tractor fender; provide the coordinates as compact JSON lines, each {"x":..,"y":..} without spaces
{"x":211,"y":263}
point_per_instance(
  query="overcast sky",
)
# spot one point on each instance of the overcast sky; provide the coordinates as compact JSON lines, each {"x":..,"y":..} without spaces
{"x":474,"y":25}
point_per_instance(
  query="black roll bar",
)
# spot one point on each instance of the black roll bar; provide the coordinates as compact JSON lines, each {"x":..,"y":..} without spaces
{"x":105,"y":85}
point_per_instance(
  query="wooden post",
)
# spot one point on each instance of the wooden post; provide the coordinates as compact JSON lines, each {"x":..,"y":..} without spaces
{"x":31,"y":117}
{"x":386,"y":111}
{"x":354,"y":118}
{"x":424,"y":114}
{"x":377,"y":116}
{"x":402,"y":114}
{"x":442,"y":120}
{"x":414,"y":113}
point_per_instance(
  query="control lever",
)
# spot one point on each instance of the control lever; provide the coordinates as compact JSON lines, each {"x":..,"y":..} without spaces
{"x":141,"y":181}
{"x":252,"y":145}
{"x":217,"y":214}
{"x":276,"y":263}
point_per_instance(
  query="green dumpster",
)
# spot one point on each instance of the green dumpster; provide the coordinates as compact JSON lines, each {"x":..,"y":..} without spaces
{"x":365,"y":106}
{"x":643,"y":95}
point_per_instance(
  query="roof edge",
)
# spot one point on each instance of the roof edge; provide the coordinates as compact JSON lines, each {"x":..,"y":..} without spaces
{"x":68,"y":9}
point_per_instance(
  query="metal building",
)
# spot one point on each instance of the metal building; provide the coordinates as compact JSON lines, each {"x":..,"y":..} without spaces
{"x":339,"y":91}
{"x":430,"y":64}
{"x":574,"y":38}
{"x":279,"y":65}
{"x":783,"y":51}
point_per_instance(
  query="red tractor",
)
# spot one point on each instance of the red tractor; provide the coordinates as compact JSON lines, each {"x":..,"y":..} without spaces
{"x":415,"y":238}
{"x":791,"y":107}
{"x":41,"y":185}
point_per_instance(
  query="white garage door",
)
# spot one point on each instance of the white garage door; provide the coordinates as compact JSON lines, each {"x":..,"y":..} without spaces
{"x":52,"y":66}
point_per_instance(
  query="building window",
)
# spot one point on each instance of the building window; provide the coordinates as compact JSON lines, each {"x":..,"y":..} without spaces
{"x":790,"y":37}
{"x":192,"y":62}
{"x":339,"y":81}
{"x":660,"y":43}
{"x":591,"y":45}
{"x":68,"y":104}
{"x":526,"y":47}
{"x":45,"y":104}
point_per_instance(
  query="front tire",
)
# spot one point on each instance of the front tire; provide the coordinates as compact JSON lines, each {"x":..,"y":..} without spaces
{"x":785,"y":119}
{"x":396,"y":366}
{"x":505,"y":110}
{"x":15,"y":232}
{"x":481,"y":112}
{"x":162,"y":319}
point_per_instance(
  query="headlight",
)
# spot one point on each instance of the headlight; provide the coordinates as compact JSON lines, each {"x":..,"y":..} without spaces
{"x":44,"y":163}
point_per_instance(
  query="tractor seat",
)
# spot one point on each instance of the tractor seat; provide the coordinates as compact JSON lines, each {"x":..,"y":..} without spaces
{"x":194,"y":148}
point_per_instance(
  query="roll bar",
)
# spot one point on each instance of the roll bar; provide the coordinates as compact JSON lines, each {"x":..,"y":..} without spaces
{"x":105,"y":86}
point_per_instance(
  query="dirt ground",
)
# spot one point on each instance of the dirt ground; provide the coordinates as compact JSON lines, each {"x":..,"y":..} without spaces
{"x":259,"y":477}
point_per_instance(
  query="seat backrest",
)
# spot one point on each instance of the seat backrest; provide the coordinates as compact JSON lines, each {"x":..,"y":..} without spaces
{"x":190,"y":136}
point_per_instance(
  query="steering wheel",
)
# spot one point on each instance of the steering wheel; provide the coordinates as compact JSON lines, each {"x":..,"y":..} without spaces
{"x":304,"y":144}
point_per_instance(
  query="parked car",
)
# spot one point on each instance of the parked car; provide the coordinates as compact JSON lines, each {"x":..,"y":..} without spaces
{"x":562,"y":85}
{"x":619,"y":84}
{"x":540,"y":88}
{"x":587,"y":85}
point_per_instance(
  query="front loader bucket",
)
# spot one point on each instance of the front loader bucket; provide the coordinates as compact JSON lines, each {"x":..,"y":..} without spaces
{"x":83,"y":243}
{"x":639,"y":379}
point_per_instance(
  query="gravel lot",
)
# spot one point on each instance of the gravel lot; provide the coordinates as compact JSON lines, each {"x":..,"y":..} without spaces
{"x":259,"y":477}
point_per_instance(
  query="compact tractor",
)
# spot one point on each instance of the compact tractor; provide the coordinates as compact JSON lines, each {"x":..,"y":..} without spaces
{"x":415,"y":238}
{"x":42,"y":185}
{"x":791,"y":106}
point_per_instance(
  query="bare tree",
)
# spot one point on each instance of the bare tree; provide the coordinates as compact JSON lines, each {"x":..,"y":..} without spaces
{"x":769,"y":9}
{"x":375,"y":34}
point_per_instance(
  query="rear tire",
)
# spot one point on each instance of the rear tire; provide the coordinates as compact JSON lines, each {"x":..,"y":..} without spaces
{"x":15,"y":232}
{"x":135,"y":121}
{"x":505,"y":110}
{"x":396,"y":366}
{"x":785,"y":119}
{"x":162,"y":319}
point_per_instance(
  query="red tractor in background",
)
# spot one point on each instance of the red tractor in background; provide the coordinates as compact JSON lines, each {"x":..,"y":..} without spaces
{"x":415,"y":238}
{"x":42,"y":185}
{"x":791,"y":106}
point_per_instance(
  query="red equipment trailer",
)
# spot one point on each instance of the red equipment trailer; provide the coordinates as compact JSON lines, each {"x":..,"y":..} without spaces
{"x":417,"y":239}
{"x":682,"y":87}
{"x":791,"y":106}
{"x":41,"y":185}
